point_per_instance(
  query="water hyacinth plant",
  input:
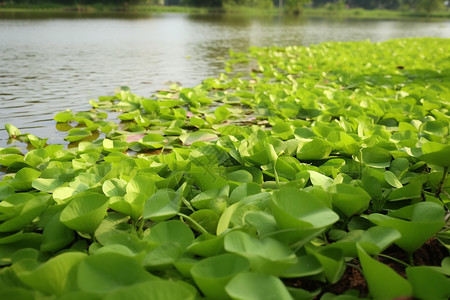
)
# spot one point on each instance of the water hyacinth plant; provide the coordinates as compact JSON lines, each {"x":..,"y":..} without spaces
{"x":299,"y":173}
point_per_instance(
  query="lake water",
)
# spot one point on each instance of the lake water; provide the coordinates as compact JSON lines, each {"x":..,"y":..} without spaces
{"x":49,"y":64}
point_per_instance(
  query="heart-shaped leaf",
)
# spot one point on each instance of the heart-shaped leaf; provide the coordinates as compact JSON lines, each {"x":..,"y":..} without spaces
{"x":85,"y":211}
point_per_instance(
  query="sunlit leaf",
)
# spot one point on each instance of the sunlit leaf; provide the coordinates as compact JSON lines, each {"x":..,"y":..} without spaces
{"x":256,"y":286}
{"x":212,"y":274}
{"x":388,"y":286}
{"x":85,"y":212}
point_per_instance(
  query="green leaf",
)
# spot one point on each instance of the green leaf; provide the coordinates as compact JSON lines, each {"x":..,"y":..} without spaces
{"x":207,"y":218}
{"x":12,"y":131}
{"x":207,"y":245}
{"x":392,"y":179}
{"x":307,"y":265}
{"x":105,"y":272}
{"x":25,"y":209}
{"x":64,"y":116}
{"x":221,"y":113}
{"x":169,"y":240}
{"x":318,"y":179}
{"x":349,"y":199}
{"x":77,"y":134}
{"x":52,"y":276}
{"x":56,"y":235}
{"x":244,"y":190}
{"x":153,"y":141}
{"x":6,"y":191}
{"x":212,"y":274}
{"x":302,"y":214}
{"x":314,"y":150}
{"x":409,"y":191}
{"x":199,"y":135}
{"x":383,"y":282}
{"x":332,"y":261}
{"x":427,"y":283}
{"x":376,"y":157}
{"x":24,"y":178}
{"x":114,"y":145}
{"x":114,"y":187}
{"x":436,"y":154}
{"x":154,"y":289}
{"x":267,"y":255}
{"x":256,"y":286}
{"x":171,"y":231}
{"x":416,"y":223}
{"x":85,"y":211}
{"x":162,"y":205}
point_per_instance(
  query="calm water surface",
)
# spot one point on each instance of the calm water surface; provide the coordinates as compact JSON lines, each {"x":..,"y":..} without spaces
{"x":52,"y":64}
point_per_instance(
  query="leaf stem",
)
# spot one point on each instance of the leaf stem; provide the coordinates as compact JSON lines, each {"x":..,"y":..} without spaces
{"x":197,"y":225}
{"x":441,"y":184}
{"x":355,"y":267}
{"x":92,"y":235}
{"x":140,"y":227}
{"x":397,"y":260}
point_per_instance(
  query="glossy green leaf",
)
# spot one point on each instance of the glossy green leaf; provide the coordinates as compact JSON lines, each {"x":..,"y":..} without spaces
{"x":20,"y":211}
{"x":50,"y":277}
{"x":106,"y":272}
{"x":23,"y":179}
{"x":427,"y":283}
{"x":56,"y":235}
{"x":114,"y":187}
{"x":114,"y":145}
{"x":154,"y":289}
{"x":12,"y":130}
{"x":171,"y":231}
{"x":378,"y":238}
{"x":162,"y":205}
{"x":64,"y":116}
{"x":200,"y":135}
{"x":436,"y":154}
{"x":332,"y":261}
{"x":302,"y":213}
{"x":153,"y":141}
{"x":409,"y":191}
{"x":256,"y":286}
{"x":307,"y":265}
{"x":85,"y":212}
{"x":313,"y":150}
{"x":389,"y":285}
{"x":376,"y":157}
{"x":212,"y":274}
{"x":349,"y":199}
{"x":77,"y":134}
{"x":207,"y":245}
{"x":207,"y":218}
{"x":416,"y":223}
{"x":268,"y":256}
{"x":392,"y":179}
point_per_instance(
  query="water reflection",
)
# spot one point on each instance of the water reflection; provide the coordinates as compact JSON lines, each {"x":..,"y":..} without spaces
{"x":51,"y":64}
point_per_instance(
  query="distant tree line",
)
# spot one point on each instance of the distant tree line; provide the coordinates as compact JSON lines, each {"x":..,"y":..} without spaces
{"x":366,"y":4}
{"x":427,"y":5}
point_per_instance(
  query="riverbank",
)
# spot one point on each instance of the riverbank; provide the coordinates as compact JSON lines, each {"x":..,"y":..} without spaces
{"x":100,"y":9}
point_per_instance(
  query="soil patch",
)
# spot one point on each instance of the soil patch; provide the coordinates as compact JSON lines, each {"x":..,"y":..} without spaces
{"x":430,"y":254}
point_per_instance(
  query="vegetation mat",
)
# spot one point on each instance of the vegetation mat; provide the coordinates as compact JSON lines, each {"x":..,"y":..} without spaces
{"x":299,"y":173}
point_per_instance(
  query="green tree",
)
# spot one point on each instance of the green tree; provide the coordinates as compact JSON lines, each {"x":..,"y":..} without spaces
{"x":202,"y":3}
{"x":295,"y":6}
{"x":430,"y":5}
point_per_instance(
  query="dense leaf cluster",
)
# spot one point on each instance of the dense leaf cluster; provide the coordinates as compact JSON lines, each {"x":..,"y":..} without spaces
{"x":308,"y":162}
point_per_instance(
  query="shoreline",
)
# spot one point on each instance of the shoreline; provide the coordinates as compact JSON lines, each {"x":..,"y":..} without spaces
{"x":137,"y":10}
